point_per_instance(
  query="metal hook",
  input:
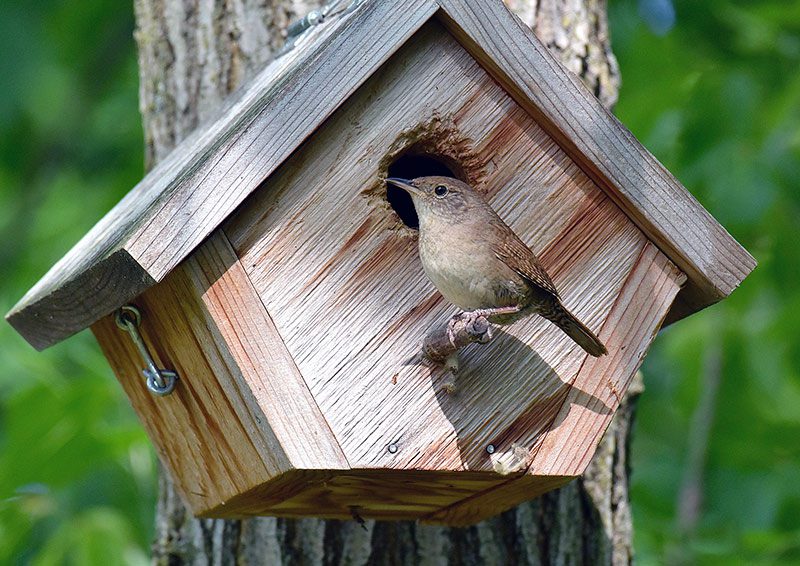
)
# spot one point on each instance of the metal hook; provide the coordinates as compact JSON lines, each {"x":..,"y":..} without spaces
{"x":315,"y":18}
{"x":159,"y":381}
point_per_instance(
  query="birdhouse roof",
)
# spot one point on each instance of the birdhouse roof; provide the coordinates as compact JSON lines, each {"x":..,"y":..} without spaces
{"x":194,"y":189}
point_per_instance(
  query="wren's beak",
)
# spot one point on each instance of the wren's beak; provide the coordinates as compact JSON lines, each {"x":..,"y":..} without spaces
{"x":404,"y":184}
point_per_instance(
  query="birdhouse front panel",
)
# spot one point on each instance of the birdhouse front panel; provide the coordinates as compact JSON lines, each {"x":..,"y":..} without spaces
{"x":274,"y":270}
{"x":241,"y":414}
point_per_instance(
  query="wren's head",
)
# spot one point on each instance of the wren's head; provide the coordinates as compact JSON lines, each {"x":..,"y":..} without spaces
{"x":440,"y":198}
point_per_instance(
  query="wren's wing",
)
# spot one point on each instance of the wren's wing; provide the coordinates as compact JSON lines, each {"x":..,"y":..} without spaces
{"x":515,"y":254}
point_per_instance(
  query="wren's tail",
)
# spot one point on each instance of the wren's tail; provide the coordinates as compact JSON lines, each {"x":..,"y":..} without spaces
{"x":574,"y":328}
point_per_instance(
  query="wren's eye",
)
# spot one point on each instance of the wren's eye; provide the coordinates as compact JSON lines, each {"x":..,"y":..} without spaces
{"x":440,"y":190}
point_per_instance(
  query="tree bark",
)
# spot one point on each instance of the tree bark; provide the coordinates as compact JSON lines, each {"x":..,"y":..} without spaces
{"x":192,"y":53}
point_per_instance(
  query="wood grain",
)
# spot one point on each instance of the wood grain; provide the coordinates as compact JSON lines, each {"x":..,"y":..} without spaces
{"x":313,"y":330}
{"x":637,"y":316}
{"x":494,"y":501}
{"x":385,"y":494}
{"x":371,"y":494}
{"x":588,"y":406}
{"x":190,"y":192}
{"x":196,"y":187}
{"x":241,"y":413}
{"x":342,"y":280}
{"x":665,"y":211}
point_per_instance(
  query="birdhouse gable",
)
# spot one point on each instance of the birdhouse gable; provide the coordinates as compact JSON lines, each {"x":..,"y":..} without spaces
{"x":194,"y":189}
{"x":277,"y":274}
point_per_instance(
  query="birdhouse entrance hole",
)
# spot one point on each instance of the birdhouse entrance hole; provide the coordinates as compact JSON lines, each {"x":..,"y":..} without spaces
{"x":410,"y":166}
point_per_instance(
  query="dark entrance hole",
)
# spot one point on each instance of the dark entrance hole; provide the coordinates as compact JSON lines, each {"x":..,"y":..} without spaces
{"x":411,"y":166}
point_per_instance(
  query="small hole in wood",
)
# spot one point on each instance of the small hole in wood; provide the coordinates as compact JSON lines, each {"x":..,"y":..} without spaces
{"x":411,"y":166}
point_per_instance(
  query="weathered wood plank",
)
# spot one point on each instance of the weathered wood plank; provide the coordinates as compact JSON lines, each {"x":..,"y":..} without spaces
{"x":202,"y":181}
{"x":568,"y":446}
{"x":496,"y":500}
{"x":342,"y":278}
{"x":241,"y":413}
{"x":268,"y":372}
{"x":60,"y":305}
{"x":586,"y":409}
{"x":199,"y":429}
{"x":385,"y":494}
{"x":670,"y":216}
{"x":371,"y":494}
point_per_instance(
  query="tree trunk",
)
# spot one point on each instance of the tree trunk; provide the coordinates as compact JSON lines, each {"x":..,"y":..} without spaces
{"x":192,"y":53}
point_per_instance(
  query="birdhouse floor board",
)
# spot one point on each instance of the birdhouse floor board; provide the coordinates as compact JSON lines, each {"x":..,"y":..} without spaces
{"x":372,"y":494}
{"x":494,"y":501}
{"x":359,"y":305}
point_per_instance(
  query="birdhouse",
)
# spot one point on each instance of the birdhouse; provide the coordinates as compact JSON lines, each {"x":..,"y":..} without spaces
{"x":264,"y":280}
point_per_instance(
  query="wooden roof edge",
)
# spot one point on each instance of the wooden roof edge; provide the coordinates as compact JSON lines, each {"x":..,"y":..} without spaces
{"x":47,"y":318}
{"x":714,"y":262}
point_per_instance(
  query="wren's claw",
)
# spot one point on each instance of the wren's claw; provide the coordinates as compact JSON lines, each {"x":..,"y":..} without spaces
{"x":474,"y":323}
{"x":477,"y":325}
{"x":451,"y":330}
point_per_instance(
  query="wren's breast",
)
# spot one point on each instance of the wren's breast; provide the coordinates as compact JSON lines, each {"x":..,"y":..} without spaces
{"x":466,"y":273}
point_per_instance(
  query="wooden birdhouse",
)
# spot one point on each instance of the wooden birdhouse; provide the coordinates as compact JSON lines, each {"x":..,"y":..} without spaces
{"x":267,"y":264}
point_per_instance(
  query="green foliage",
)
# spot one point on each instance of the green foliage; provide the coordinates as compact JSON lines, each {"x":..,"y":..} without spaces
{"x":76,"y":470}
{"x":717,"y":99}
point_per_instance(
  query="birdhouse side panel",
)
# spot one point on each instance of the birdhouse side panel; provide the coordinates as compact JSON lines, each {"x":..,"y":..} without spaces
{"x":597,"y":392}
{"x":197,"y":434}
{"x":340,"y":274}
{"x":240,"y":414}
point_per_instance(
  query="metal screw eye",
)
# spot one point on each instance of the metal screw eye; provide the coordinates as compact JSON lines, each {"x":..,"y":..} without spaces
{"x":159,"y":381}
{"x":126,"y":314}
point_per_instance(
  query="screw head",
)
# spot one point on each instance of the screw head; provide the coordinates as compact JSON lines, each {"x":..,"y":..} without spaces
{"x":392,"y":448}
{"x":490,"y":449}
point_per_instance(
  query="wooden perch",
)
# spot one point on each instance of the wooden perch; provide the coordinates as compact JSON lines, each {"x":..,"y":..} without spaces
{"x":464,"y":328}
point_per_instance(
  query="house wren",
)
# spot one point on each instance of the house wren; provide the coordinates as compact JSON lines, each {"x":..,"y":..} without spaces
{"x":479,"y":264}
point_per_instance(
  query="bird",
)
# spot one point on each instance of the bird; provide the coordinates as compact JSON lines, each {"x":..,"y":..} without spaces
{"x":479,"y":264}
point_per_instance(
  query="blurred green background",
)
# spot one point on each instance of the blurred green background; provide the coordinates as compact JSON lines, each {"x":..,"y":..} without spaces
{"x":712,"y":88}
